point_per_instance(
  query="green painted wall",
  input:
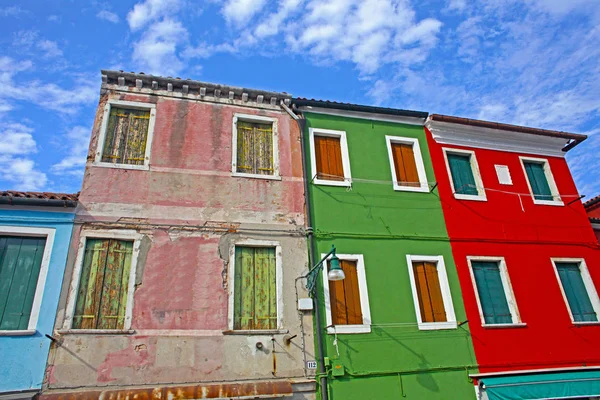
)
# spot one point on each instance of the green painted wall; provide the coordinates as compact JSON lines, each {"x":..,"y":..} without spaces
{"x":395,"y":360}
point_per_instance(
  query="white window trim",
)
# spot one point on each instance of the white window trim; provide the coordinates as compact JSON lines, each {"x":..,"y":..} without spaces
{"x":423,"y":184}
{"x":312,"y":132}
{"x":118,"y":234}
{"x":444,"y":286}
{"x":549,"y":177}
{"x":278,"y":280}
{"x":481,"y":196}
{"x":257,"y":119}
{"x":365,"y":309}
{"x":48,"y":233}
{"x":587,"y":282}
{"x":508,"y":291}
{"x":106,"y":116}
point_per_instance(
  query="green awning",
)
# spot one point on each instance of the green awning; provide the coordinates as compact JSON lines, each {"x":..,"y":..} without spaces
{"x":557,"y":385}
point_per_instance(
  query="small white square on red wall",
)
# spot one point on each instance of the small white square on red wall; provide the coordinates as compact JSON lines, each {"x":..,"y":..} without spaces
{"x":503,"y":174}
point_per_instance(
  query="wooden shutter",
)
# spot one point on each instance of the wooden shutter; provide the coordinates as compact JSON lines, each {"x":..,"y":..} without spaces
{"x":20,"y":263}
{"x":255,"y":289}
{"x":491,"y":292}
{"x":102,"y":296}
{"x":405,"y":165}
{"x":576,"y":292}
{"x":344,"y":296}
{"x":462,"y":174}
{"x":328,"y":154}
{"x":254,"y":148}
{"x":429,"y":292}
{"x":126,"y":136}
{"x":538,"y":181}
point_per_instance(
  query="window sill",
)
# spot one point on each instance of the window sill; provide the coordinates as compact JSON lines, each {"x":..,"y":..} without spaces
{"x":345,"y":183}
{"x":22,"y":332}
{"x":586,"y":323}
{"x":505,"y":326}
{"x":470,"y":197}
{"x":424,"y":188}
{"x":432,"y":326}
{"x":342,"y":329}
{"x":95,"y":331}
{"x":257,"y":332}
{"x":548,"y":202}
{"x":256,"y":176}
{"x":121,"y":166}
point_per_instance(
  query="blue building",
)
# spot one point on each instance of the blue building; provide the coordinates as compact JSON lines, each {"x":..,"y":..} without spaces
{"x":35,"y":233}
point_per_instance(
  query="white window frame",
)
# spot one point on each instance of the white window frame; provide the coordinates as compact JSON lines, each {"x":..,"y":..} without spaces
{"x":312,"y":132}
{"x":508,"y":291}
{"x":587,"y":282}
{"x":423,"y":184}
{"x":481,"y":196}
{"x":549,"y":177}
{"x":256,"y":119}
{"x":117,"y":234}
{"x":105,"y":118}
{"x":48,"y":234}
{"x":365,"y":309}
{"x":444,"y":287}
{"x":278,"y":282}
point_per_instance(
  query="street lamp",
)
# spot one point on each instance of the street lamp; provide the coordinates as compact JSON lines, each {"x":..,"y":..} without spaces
{"x":336,"y":273}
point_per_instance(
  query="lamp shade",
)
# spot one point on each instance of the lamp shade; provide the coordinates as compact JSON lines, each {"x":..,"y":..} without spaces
{"x":335,"y":271}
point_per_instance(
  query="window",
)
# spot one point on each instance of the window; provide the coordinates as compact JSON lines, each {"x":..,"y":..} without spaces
{"x":465,"y":178}
{"x":329,"y":157}
{"x":255,"y":286}
{"x":101,"y":293}
{"x":431,"y":292}
{"x":255,"y":149}
{"x":408,"y":171}
{"x":540,"y":181}
{"x":495,"y":298}
{"x":126,"y":135}
{"x":24,"y":260}
{"x":347,"y":301}
{"x":578,"y":290}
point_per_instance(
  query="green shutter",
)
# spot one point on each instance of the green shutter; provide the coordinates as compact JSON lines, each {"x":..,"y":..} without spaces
{"x":20,"y":263}
{"x":577,"y":295}
{"x":255,"y":294}
{"x":254,"y":148}
{"x":126,"y":136}
{"x":491,"y":292}
{"x":102,"y":296}
{"x":538,"y":181}
{"x":462,"y":174}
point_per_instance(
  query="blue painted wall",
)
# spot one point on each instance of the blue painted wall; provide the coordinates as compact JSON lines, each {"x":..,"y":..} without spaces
{"x":23,"y":358}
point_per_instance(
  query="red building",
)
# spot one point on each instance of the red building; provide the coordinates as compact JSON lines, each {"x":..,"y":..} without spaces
{"x":526,"y":254}
{"x":592,"y":207}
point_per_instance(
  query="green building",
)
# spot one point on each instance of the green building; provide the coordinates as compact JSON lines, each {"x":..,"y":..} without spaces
{"x":395,"y":327}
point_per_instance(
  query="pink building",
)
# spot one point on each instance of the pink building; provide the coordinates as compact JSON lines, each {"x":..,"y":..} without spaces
{"x":189,"y":237}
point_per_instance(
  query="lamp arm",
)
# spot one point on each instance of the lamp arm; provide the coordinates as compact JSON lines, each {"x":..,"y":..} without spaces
{"x":319,"y":264}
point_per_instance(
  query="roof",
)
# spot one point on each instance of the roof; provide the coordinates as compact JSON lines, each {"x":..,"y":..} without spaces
{"x":190,"y":87}
{"x":578,"y":138}
{"x":38,"y":198}
{"x":591,"y":202}
{"x":302,"y":102}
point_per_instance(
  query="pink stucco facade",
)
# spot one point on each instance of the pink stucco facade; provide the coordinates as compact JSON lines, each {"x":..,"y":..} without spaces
{"x":188,"y":211}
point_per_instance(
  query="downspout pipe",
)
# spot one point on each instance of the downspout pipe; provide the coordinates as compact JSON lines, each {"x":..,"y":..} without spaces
{"x":29,"y":201}
{"x":313,"y":252}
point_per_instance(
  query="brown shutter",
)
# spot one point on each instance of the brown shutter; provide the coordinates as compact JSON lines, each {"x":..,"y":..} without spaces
{"x":405,"y":165}
{"x":328,"y":154}
{"x":345,"y":297}
{"x":429,"y":292}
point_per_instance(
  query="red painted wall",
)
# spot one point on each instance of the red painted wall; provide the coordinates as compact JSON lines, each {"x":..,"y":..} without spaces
{"x":527,"y":236}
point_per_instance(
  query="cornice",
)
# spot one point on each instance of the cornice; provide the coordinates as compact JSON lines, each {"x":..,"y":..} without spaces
{"x":364,"y":115}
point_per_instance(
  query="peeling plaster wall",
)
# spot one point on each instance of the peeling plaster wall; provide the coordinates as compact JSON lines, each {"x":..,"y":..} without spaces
{"x":190,"y":211}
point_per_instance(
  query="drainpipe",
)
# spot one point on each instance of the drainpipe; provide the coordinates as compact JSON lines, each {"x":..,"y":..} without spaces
{"x":313,"y":252}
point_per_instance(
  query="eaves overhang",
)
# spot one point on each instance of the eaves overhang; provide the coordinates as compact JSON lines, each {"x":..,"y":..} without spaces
{"x":360,"y":111}
{"x":38,"y":199}
{"x":504,"y":137}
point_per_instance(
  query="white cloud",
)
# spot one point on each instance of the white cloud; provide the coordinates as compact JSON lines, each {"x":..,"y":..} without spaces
{"x":11,"y":11}
{"x":108,"y":16}
{"x":151,"y":10}
{"x":156,"y":51}
{"x":29,"y":41}
{"x":241,"y":11}
{"x":16,"y":139}
{"x":273,"y":22}
{"x":49,"y":48}
{"x":458,"y":5}
{"x":16,"y":142}
{"x":78,"y":141}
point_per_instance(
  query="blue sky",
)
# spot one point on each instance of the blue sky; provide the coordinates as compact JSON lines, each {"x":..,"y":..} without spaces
{"x":531,"y":62}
